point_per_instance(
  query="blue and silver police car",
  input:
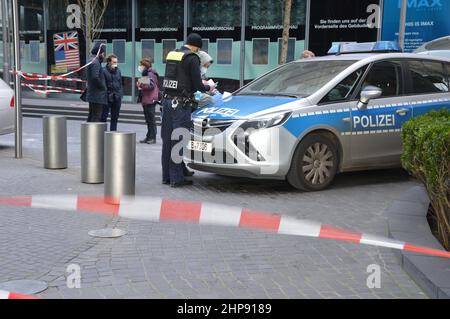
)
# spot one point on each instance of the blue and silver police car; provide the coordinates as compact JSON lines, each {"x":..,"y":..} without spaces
{"x":310,"y":119}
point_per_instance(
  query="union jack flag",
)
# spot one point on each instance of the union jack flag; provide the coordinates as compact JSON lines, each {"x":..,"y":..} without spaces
{"x":66,"y":50}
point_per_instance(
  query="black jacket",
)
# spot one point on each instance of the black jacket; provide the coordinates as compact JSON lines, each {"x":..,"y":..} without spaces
{"x":96,"y":86}
{"x":113,"y":79}
{"x":191,"y":65}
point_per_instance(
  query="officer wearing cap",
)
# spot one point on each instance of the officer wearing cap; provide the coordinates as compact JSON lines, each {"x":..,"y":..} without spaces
{"x":182,"y":79}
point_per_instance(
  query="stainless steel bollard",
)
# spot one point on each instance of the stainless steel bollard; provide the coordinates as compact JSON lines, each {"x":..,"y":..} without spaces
{"x":55,"y":142}
{"x":120,"y":165}
{"x":92,"y":152}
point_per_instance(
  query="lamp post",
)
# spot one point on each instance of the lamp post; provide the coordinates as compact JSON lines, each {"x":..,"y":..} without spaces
{"x":402,"y":27}
{"x":17,"y":88}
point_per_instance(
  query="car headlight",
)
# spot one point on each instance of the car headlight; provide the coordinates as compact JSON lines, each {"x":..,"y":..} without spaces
{"x":266,"y":121}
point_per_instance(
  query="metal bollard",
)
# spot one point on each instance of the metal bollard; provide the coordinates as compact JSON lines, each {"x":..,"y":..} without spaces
{"x":55,"y":142}
{"x":120,"y":165}
{"x":92,"y":152}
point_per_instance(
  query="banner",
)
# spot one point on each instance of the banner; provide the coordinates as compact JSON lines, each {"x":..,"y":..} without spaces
{"x":426,"y":20}
{"x":341,"y":21}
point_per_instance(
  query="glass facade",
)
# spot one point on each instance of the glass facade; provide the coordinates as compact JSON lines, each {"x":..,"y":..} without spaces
{"x":134,"y":29}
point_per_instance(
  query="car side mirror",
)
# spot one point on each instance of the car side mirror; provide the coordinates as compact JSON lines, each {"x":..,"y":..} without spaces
{"x":368,"y":93}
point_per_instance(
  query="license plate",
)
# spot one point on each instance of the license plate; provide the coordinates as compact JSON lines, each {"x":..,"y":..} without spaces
{"x":200,"y":146}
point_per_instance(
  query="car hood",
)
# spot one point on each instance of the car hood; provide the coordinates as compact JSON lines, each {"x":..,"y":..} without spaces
{"x":240,"y":106}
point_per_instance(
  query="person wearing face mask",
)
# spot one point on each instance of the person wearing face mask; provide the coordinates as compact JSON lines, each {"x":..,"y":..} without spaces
{"x":182,"y":79}
{"x":205,"y":62}
{"x":114,"y":85}
{"x":96,"y":94}
{"x":148,"y":86}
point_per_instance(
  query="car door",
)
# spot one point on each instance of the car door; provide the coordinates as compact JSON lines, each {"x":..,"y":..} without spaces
{"x":376,"y":130}
{"x":428,"y":85}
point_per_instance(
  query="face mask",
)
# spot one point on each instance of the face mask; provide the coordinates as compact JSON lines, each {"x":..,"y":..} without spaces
{"x":203,"y":70}
{"x":141,"y":68}
{"x":113,"y":66}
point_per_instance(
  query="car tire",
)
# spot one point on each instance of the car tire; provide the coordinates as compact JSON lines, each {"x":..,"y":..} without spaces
{"x":314,"y":164}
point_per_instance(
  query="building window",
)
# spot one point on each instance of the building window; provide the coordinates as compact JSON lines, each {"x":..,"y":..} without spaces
{"x":147,"y":49}
{"x":260,"y":51}
{"x":224,"y":51}
{"x":119,"y":50}
{"x":205,"y":45}
{"x":100,"y":41}
{"x":291,"y":50}
{"x":160,"y":14}
{"x":216,"y":13}
{"x":35,"y":56}
{"x":428,"y":77}
{"x":22,"y":49}
{"x":168,"y":45}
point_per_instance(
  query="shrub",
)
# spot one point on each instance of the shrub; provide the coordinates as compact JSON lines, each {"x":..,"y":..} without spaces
{"x":426,"y":154}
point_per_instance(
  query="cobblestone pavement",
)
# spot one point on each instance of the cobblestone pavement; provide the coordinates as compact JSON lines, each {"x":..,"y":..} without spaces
{"x":169,"y":260}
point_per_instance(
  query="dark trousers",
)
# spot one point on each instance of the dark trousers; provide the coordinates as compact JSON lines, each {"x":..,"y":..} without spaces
{"x":95,"y":112}
{"x":171,"y":120}
{"x":114,"y":108}
{"x":149,"y":113}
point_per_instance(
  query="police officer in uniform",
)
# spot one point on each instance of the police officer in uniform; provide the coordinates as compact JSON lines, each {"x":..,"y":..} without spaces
{"x":182,"y":79}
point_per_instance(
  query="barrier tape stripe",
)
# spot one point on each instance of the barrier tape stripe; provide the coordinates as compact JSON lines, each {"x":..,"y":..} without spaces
{"x":42,"y":92}
{"x":157,"y":210}
{"x":54,"y":88}
{"x":12,"y":295}
{"x":42,"y":77}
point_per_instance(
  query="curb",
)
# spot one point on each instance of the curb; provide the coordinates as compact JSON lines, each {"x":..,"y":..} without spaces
{"x":12,"y":295}
{"x":407,"y":219}
{"x":168,"y":210}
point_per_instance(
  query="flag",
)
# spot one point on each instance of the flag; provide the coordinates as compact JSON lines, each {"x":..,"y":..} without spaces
{"x":67,"y":53}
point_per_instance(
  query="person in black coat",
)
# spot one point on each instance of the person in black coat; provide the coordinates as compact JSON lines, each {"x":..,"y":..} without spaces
{"x":114,"y":85}
{"x":96,"y":86}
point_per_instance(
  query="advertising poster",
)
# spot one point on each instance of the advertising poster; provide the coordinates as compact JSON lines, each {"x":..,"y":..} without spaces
{"x":341,"y":21}
{"x":426,"y":20}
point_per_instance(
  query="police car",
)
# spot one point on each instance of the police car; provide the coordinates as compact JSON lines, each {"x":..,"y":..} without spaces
{"x":310,"y":119}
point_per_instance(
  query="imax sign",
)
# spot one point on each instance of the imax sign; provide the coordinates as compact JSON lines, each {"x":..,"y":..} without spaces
{"x":419,"y":4}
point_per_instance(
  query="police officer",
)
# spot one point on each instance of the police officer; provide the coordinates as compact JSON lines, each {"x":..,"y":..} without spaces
{"x":182,"y":79}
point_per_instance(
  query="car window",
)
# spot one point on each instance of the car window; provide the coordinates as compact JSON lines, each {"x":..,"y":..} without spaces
{"x":299,"y":78}
{"x":447,"y":68}
{"x":344,"y":89}
{"x":428,"y":77}
{"x":385,"y":75}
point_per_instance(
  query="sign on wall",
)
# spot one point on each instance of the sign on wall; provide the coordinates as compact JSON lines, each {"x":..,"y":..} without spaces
{"x":342,"y":21}
{"x":426,"y":20}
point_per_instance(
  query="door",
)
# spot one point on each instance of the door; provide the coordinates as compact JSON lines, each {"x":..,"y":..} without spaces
{"x":376,"y":131}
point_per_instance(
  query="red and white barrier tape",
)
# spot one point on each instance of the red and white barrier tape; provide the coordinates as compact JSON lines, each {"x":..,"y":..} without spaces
{"x":52,"y":88}
{"x":42,"y":77}
{"x":160,"y":210}
{"x":12,"y":295}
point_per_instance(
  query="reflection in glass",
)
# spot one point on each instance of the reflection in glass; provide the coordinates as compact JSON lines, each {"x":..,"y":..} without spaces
{"x":158,"y":14}
{"x":270,"y":12}
{"x":216,"y":13}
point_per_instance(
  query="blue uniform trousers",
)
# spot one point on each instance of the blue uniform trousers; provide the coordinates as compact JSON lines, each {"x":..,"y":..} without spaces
{"x":180,"y":117}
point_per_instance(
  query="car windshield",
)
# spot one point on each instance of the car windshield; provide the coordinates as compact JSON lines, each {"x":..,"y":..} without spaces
{"x":299,"y":79}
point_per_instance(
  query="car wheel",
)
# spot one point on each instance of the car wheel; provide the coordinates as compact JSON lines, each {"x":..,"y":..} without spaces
{"x":314,"y":164}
